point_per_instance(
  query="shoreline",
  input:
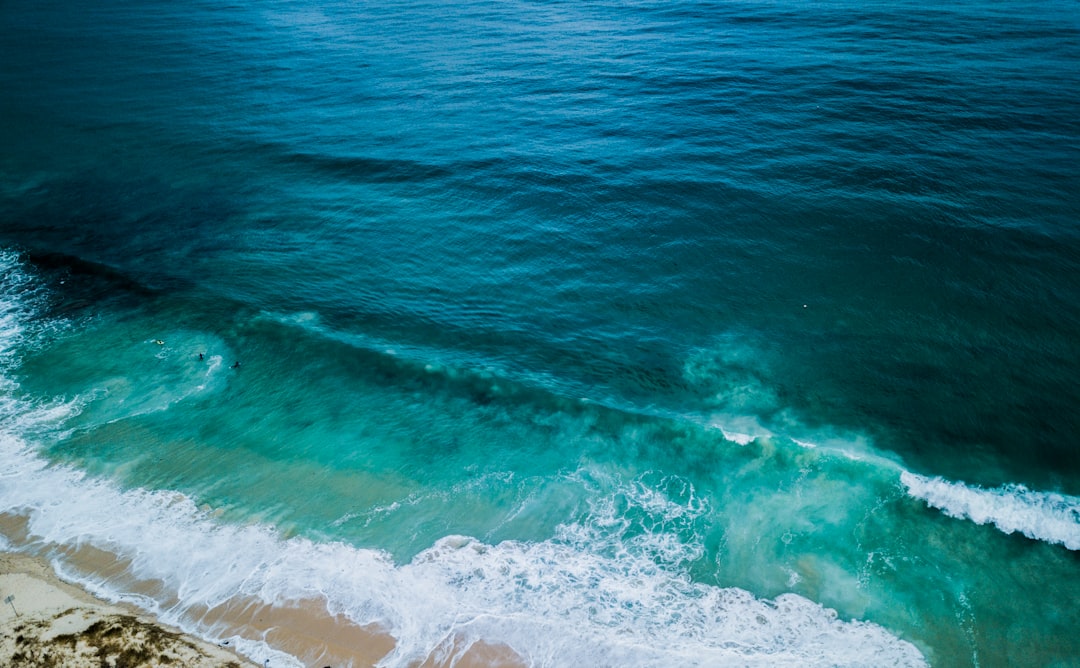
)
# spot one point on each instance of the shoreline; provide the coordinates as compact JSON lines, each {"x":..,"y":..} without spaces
{"x":45,"y":621}
{"x":53,"y":623}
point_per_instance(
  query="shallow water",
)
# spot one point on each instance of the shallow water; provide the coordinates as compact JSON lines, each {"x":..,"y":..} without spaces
{"x":630,"y":334}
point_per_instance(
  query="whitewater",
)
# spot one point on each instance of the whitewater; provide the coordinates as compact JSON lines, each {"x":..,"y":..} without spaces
{"x":636,"y":333}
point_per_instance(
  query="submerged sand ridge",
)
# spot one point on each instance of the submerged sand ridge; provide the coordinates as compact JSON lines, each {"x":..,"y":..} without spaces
{"x":44,"y":623}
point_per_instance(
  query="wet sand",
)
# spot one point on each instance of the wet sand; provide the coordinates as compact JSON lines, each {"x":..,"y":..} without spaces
{"x":50,"y":622}
{"x":46,"y":622}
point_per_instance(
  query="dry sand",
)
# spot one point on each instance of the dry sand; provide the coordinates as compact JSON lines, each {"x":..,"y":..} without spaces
{"x":45,"y":622}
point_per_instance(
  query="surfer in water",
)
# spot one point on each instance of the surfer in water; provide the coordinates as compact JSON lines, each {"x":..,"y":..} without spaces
{"x":236,"y":365}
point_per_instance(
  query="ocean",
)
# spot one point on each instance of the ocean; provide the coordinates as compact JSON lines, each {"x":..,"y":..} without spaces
{"x":724,"y":333}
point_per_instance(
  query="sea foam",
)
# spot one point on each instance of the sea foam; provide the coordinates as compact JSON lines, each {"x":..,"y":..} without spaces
{"x":553,"y":602}
{"x":1046,"y":516}
{"x":570,"y":600}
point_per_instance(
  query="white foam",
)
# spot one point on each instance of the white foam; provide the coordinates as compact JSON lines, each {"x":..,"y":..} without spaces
{"x":604,"y":591}
{"x":1045,"y":516}
{"x":740,"y":429}
{"x":20,"y":298}
{"x":556,"y":602}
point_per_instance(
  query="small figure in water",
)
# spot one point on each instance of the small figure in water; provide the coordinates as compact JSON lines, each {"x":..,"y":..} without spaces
{"x":200,"y":357}
{"x":159,"y":342}
{"x":236,"y":365}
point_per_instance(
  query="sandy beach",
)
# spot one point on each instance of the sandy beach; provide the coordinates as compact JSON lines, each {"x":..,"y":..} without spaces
{"x":46,"y":622}
{"x":51,"y":623}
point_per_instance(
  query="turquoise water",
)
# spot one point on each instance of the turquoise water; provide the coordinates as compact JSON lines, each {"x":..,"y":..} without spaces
{"x":618,"y":333}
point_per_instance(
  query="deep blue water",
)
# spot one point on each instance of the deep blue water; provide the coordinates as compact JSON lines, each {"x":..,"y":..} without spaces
{"x":762,"y":299}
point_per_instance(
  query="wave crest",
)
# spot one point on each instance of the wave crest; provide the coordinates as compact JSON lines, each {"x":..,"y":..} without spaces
{"x":1045,"y":516}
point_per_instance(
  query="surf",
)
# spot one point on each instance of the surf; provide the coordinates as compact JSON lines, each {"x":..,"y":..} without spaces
{"x":532,"y":526}
{"x":551,"y":603}
{"x":573,"y":598}
{"x":1046,"y":516}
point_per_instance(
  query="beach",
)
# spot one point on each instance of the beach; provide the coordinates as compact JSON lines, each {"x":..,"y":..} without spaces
{"x":627,"y":334}
{"x":52,"y":622}
{"x":48,"y":622}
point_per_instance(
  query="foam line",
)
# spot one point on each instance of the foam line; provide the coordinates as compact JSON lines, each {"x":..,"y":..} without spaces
{"x":577,"y":598}
{"x":1046,"y":516}
{"x":555,"y":602}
